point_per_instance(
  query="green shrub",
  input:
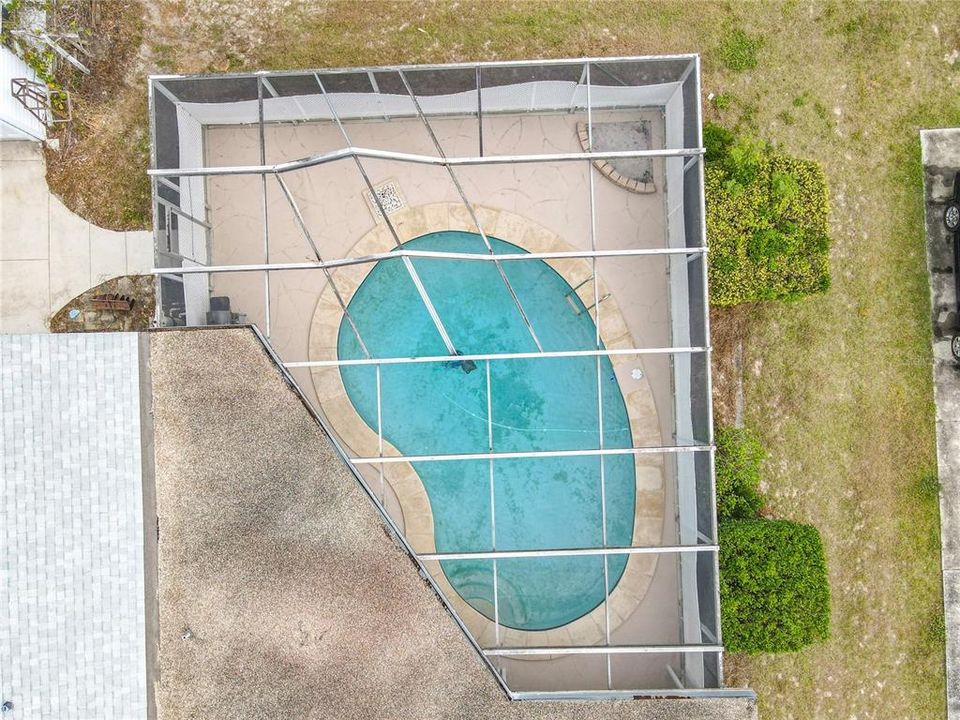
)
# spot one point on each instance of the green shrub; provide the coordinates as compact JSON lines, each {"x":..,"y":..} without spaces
{"x":774,"y":593}
{"x":766,"y":222}
{"x":738,"y":51}
{"x":739,"y":455}
{"x":716,"y":141}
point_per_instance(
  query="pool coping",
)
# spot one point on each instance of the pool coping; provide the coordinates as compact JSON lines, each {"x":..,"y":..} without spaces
{"x":417,"y":515}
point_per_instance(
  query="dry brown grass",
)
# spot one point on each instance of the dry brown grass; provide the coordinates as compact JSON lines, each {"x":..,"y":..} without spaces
{"x":729,"y":330}
{"x":839,"y":385}
{"x":99,"y":169}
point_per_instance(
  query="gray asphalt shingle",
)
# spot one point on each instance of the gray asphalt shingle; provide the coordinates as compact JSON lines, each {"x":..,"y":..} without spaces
{"x":71,"y":530}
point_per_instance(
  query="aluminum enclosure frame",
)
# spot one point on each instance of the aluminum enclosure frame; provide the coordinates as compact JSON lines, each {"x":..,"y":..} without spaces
{"x":167,"y":193}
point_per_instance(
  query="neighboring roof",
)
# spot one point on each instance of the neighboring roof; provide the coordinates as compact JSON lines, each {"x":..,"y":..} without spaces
{"x":71,"y":528}
{"x":281,"y":593}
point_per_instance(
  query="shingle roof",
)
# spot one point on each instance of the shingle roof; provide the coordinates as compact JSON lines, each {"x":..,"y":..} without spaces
{"x":71,"y":528}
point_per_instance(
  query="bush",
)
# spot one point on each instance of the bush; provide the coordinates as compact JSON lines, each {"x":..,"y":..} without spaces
{"x":774,"y":594}
{"x":766,"y":222}
{"x":739,"y":455}
{"x":716,"y":141}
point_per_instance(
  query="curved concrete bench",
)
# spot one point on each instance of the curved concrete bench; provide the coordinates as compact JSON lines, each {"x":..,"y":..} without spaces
{"x":609,"y":171}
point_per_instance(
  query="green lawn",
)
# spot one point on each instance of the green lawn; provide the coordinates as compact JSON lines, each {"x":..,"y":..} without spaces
{"x":839,"y":385}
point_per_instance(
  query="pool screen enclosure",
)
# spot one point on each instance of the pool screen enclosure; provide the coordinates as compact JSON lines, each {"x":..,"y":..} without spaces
{"x":489,"y":282}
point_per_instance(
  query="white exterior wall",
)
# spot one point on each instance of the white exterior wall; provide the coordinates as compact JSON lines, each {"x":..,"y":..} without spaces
{"x":192,"y":237}
{"x":16,"y":122}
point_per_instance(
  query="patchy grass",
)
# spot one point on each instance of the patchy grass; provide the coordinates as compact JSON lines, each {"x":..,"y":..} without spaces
{"x":840,"y":384}
{"x":722,"y":101}
{"x":738,"y":51}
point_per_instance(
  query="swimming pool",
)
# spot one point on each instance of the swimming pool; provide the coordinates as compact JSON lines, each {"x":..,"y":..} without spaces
{"x":536,"y":404}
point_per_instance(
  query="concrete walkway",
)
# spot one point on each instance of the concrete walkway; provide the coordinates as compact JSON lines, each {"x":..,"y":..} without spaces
{"x":941,"y":160}
{"x":48,"y":255}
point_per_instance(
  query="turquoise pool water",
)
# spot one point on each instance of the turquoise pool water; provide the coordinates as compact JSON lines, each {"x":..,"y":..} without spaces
{"x":539,"y":404}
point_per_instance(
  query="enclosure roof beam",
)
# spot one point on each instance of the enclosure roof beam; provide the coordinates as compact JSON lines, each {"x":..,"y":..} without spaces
{"x":633,"y":694}
{"x":709,"y":373}
{"x":360,"y":152}
{"x":265,"y":205}
{"x":478,"y":357}
{"x":437,"y":66}
{"x":433,"y":254}
{"x":653,"y":450}
{"x":604,"y":650}
{"x":570,"y":552}
{"x":591,"y":172}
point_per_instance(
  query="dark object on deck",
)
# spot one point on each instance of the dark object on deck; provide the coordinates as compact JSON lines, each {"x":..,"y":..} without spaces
{"x":219,"y":317}
{"x":221,"y":314}
{"x":220,"y":302}
{"x":468,"y":366}
{"x":112,"y":301}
